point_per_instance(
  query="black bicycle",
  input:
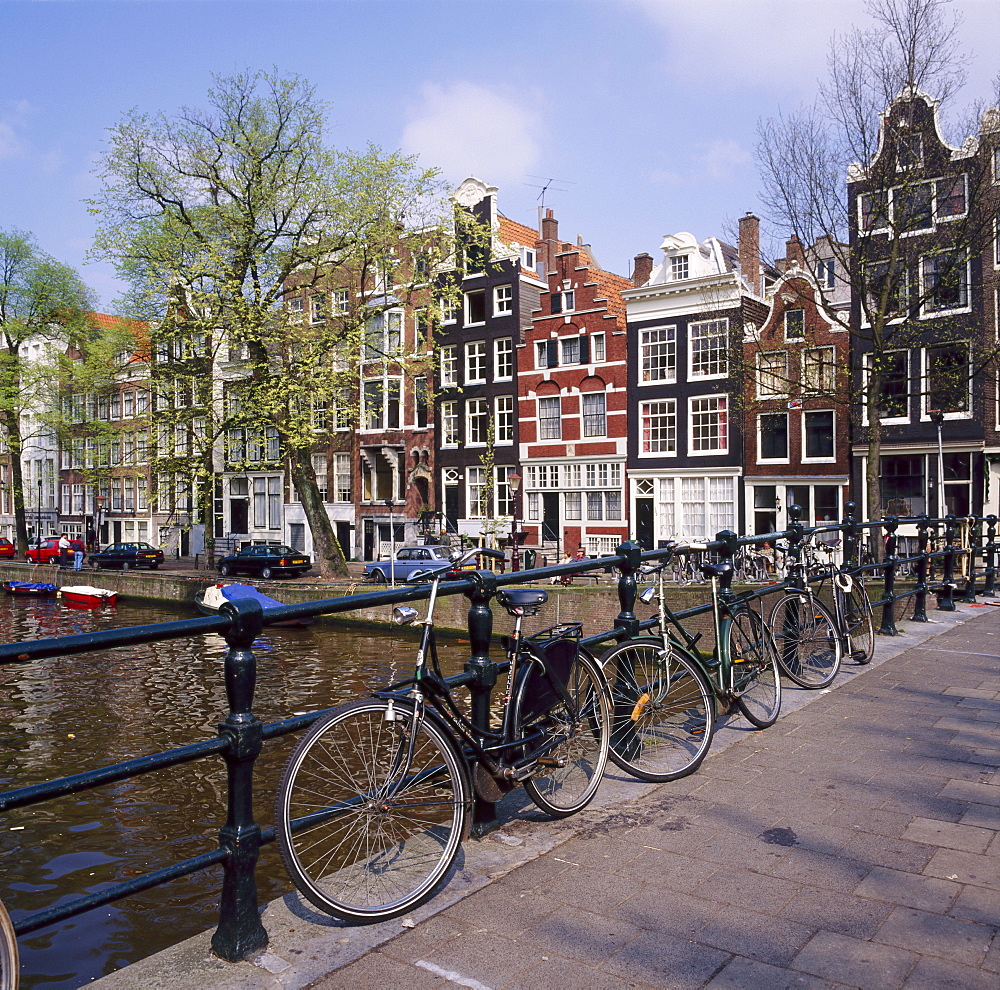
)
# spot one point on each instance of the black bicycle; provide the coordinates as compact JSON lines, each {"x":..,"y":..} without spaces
{"x":376,"y":798}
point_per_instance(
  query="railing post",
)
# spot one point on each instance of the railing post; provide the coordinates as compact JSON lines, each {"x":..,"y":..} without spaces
{"x":946,"y":596}
{"x":851,"y":531}
{"x":920,"y":595}
{"x":975,"y":532}
{"x":240,"y":931}
{"x":796,"y":533}
{"x":479,"y":663}
{"x":991,"y":560}
{"x":626,"y":623}
{"x":888,"y":627}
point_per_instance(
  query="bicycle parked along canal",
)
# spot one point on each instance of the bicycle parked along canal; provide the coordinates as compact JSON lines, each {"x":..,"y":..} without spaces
{"x":665,"y":691}
{"x":376,"y":798}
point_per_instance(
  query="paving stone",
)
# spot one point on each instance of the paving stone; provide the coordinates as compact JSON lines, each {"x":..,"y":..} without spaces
{"x":680,"y":915}
{"x":835,"y":912}
{"x":912,"y":783}
{"x":977,"y":904}
{"x":604,"y":890}
{"x":801,"y":807}
{"x":973,"y":792}
{"x":596,"y":852}
{"x":935,"y":934}
{"x":758,"y":936}
{"x":741,"y":974}
{"x":432,"y":933}
{"x":983,"y":871}
{"x":667,"y":869}
{"x":503,"y":910}
{"x":660,"y":961}
{"x":884,"y":822}
{"x":855,"y":962}
{"x":533,"y":873}
{"x":483,"y":956}
{"x":949,"y":835}
{"x":814,"y":869}
{"x":580,"y":935}
{"x":754,"y":891}
{"x":940,"y":974}
{"x":378,"y":972}
{"x":896,"y":854}
{"x":742,"y":852}
{"x":566,"y":975}
{"x":671,"y":835}
{"x":823,"y":838}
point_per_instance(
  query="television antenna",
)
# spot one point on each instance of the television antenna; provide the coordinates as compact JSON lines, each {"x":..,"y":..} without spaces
{"x":549,"y":183}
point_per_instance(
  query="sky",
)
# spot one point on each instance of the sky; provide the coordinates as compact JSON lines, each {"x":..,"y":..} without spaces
{"x":639,"y":116}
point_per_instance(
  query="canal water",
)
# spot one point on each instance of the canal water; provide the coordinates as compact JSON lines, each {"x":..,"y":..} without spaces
{"x":70,"y":714}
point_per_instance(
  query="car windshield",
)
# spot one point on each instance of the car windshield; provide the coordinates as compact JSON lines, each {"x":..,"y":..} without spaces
{"x":282,"y":551}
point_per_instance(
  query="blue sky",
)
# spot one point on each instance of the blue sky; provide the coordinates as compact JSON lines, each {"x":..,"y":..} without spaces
{"x":646,"y":110}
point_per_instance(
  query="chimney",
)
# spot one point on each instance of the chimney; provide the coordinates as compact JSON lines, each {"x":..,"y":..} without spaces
{"x":749,"y":249}
{"x":642,"y":269}
{"x":794,"y":255}
{"x":549,"y":246}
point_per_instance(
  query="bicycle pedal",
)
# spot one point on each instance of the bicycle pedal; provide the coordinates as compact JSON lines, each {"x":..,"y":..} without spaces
{"x":550,"y":764}
{"x":858,"y":655}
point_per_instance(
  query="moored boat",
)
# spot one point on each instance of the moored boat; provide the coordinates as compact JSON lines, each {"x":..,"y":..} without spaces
{"x":39,"y":589}
{"x":209,"y":600}
{"x":87,"y":597}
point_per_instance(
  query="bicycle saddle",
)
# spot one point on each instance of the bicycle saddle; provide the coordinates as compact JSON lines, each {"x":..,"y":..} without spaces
{"x":717,"y":570}
{"x":522,"y":598}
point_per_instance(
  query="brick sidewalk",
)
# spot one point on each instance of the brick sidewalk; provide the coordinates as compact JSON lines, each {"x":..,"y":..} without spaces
{"x":855,"y":844}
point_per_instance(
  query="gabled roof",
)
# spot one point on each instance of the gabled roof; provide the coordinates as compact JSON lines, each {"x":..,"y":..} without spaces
{"x":512,"y":232}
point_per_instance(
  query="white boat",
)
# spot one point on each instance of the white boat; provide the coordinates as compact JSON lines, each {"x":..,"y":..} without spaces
{"x":88,"y":597}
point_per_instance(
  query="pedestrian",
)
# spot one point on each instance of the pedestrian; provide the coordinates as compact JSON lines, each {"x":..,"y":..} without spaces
{"x":77,"y":555}
{"x":64,"y":549}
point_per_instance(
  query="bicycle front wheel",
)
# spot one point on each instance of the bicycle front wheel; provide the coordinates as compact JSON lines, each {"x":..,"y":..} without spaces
{"x":570,"y":739}
{"x":858,"y":620}
{"x":756,"y":683}
{"x":807,"y":640}
{"x":663,"y":710}
{"x":371,"y":810}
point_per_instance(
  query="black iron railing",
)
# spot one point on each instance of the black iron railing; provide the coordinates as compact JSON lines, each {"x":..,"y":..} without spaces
{"x":241,"y":735}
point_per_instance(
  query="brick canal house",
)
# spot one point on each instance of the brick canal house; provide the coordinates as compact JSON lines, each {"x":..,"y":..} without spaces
{"x":796,"y":406}
{"x":687,"y":317}
{"x":924,"y":237}
{"x":572,"y":400}
{"x":478,"y":346}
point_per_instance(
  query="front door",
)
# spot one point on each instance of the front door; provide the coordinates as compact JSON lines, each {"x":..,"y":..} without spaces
{"x":550,"y":517}
{"x":239,"y":515}
{"x":644,"y":523}
{"x":369,"y":539}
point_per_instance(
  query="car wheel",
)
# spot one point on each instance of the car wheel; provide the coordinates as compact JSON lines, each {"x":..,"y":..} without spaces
{"x":126,"y":565}
{"x":94,"y":565}
{"x":378,"y":577}
{"x":153,"y":567}
{"x":265,"y":572}
{"x":224,"y":570}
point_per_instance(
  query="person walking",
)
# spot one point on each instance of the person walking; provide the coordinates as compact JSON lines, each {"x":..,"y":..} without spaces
{"x":64,"y":549}
{"x":77,"y":556}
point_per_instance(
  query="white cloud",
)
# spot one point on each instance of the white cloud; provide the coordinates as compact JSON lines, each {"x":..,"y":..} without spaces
{"x":467,"y":129}
{"x":723,"y":159}
{"x":10,"y":143}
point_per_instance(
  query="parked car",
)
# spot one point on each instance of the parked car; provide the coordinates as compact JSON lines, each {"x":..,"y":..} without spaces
{"x":48,"y":550}
{"x":408,"y":560}
{"x":266,"y":562}
{"x":7,"y":549}
{"x":126,"y":556}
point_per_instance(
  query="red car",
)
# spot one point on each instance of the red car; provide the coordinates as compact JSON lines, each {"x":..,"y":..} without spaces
{"x":7,"y":549}
{"x":49,"y":551}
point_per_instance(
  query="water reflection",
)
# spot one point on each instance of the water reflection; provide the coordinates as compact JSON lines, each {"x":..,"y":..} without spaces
{"x":69,"y":714}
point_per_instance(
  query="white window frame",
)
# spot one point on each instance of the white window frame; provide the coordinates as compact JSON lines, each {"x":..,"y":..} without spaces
{"x":827,"y":369}
{"x":477,"y":410}
{"x":503,"y":359}
{"x":717,"y":355}
{"x":466,"y":298}
{"x":933,"y":314}
{"x":721,"y":401}
{"x":475,"y":362}
{"x":925,"y":387}
{"x":669,"y":413}
{"x":680,"y":267}
{"x":449,"y":365}
{"x":549,"y":402}
{"x":503,"y":413}
{"x":662,"y":349}
{"x":833,"y":435}
{"x":782,"y":391}
{"x":866,"y":370}
{"x":598,"y":347}
{"x":503,"y":300}
{"x":603,"y":402}
{"x":761,"y":459}
{"x":449,"y":423}
{"x":795,"y":338}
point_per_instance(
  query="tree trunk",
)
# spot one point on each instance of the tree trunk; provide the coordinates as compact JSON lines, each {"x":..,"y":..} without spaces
{"x":873,"y":468}
{"x":328,"y":554}
{"x":13,"y":427}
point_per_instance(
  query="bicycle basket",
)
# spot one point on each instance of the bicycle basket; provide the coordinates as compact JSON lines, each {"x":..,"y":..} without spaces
{"x":540,"y":692}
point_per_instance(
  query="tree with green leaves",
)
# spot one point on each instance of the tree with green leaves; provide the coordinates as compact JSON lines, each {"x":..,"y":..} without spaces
{"x":219,"y":219}
{"x":43,"y":309}
{"x":902,"y":230}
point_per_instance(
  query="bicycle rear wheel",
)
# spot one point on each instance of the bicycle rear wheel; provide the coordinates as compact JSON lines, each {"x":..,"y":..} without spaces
{"x":663,"y":710}
{"x":805,"y":634}
{"x":371,"y":810}
{"x":9,"y":967}
{"x":858,"y":620}
{"x":571,"y":739}
{"x":755,"y":668}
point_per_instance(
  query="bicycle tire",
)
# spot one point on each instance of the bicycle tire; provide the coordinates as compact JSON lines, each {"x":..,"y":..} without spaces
{"x":860,"y":629}
{"x":577,"y":741}
{"x":9,"y":965}
{"x":385,"y":833}
{"x":757,"y":681}
{"x":663,"y":713}
{"x":806,"y":637}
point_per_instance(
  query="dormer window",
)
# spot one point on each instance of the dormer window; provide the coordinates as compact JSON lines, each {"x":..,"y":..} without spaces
{"x":795,"y":324}
{"x":679,"y":267}
{"x":528,"y":258}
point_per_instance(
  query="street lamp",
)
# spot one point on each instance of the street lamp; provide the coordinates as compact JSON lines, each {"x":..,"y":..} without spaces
{"x":38,"y":533}
{"x":937,"y":418}
{"x":514,"y":480}
{"x":100,"y":500}
{"x":392,"y":544}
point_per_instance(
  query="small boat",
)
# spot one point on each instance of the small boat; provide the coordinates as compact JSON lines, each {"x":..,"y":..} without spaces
{"x":86,"y":597}
{"x":209,"y":600}
{"x":37,"y":588}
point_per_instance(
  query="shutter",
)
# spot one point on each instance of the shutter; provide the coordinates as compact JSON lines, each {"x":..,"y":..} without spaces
{"x":557,"y":302}
{"x":552,"y":353}
{"x":584,"y":350}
